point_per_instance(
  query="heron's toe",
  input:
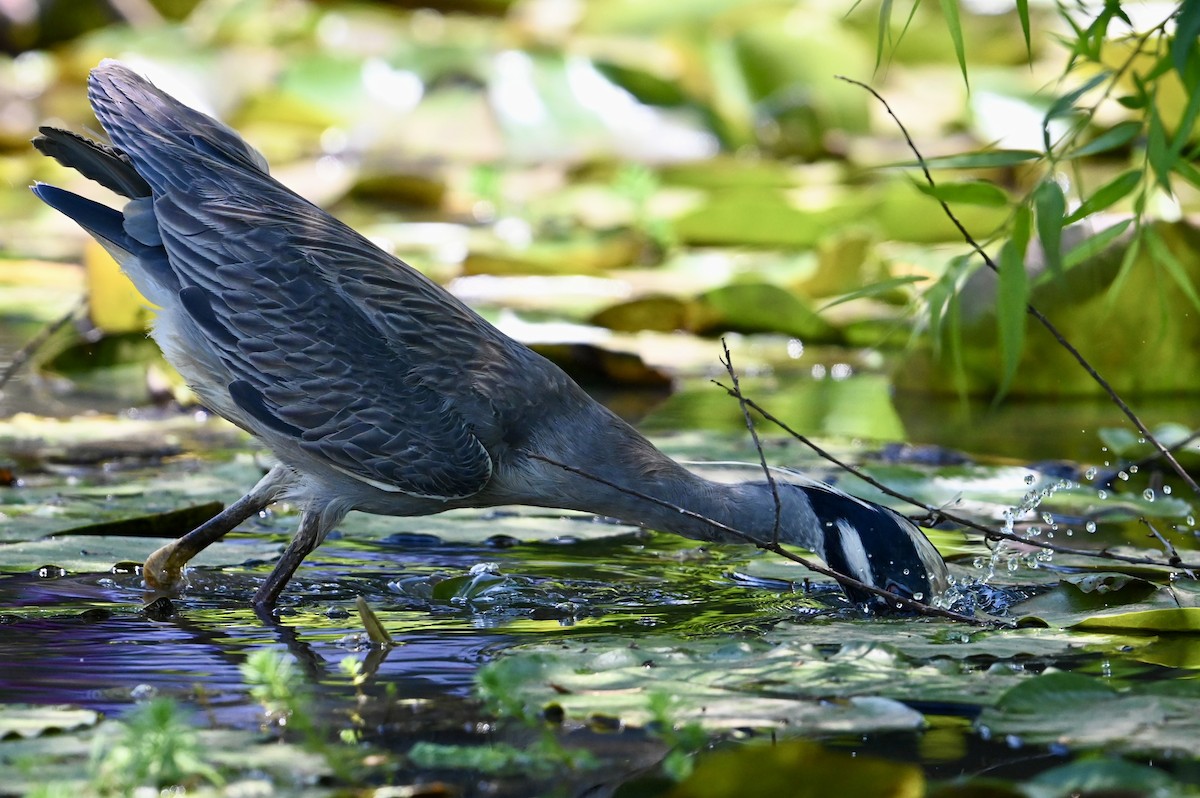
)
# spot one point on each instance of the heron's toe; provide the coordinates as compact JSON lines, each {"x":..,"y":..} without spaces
{"x":163,"y":570}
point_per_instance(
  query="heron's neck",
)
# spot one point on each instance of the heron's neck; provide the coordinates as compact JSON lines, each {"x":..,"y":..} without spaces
{"x":636,"y":483}
{"x":749,"y":508}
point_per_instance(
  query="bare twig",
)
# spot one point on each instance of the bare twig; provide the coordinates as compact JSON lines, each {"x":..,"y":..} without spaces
{"x":1149,"y":459}
{"x":774,"y":548}
{"x":1030,"y":309}
{"x":989,"y":532}
{"x":22,"y":355}
{"x":1172,"y":553}
{"x":727,"y":362}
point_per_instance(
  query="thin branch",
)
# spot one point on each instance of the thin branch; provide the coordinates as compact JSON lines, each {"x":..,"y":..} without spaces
{"x":727,"y":362}
{"x":774,"y":548}
{"x":22,"y":355}
{"x":989,"y":533}
{"x":1169,"y":547}
{"x":1148,"y":460}
{"x":1030,"y":309}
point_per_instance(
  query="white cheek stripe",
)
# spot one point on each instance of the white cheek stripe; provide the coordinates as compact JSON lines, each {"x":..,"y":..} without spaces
{"x":856,"y":555}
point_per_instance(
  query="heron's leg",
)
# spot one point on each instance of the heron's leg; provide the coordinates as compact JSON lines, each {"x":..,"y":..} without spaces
{"x":163,"y":569}
{"x":313,"y":526}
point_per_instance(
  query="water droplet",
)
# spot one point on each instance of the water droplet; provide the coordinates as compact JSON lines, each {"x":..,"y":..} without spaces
{"x":1191,"y":520}
{"x":1013,"y":563}
{"x":1133,"y":469}
{"x":1148,"y":494}
{"x":906,"y":572}
{"x":1029,"y":478}
{"x":1102,"y":494}
{"x":1090,"y":526}
{"x":1124,"y":477}
{"x":1141,"y":440}
{"x":1090,"y":474}
{"x":919,"y":596}
{"x":1049,"y":519}
{"x":1166,"y":490}
{"x":978,"y":563}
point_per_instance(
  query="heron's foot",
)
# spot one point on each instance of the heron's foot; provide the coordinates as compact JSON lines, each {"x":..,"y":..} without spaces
{"x":163,"y":569}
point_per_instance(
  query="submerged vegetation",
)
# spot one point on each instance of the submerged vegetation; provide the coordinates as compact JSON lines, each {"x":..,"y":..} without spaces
{"x":932,"y":265}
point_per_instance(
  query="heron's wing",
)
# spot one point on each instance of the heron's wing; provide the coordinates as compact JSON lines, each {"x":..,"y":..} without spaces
{"x":129,"y":106}
{"x":307,"y":360}
{"x":257,"y":268}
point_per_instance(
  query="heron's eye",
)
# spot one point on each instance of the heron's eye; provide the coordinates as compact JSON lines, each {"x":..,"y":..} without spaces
{"x":892,"y":586}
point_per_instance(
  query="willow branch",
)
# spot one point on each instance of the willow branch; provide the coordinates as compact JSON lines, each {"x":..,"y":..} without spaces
{"x":1030,"y":309}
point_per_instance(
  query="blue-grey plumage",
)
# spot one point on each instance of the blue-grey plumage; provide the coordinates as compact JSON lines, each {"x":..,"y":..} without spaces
{"x":376,"y":389}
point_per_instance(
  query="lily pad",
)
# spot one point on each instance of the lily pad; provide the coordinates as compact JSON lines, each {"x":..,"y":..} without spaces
{"x":21,"y":720}
{"x":1082,"y":711}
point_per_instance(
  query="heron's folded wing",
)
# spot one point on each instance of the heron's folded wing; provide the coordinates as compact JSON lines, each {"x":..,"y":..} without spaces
{"x":308,"y":361}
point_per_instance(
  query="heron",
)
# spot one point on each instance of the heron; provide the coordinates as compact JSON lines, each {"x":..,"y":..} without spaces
{"x":375,"y":388}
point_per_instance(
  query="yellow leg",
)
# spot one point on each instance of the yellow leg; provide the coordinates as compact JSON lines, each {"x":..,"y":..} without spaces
{"x":163,"y":569}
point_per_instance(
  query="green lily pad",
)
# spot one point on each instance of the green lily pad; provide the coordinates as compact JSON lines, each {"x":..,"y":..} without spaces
{"x":1084,"y":712}
{"x":27,"y":721}
{"x":1172,"y":619}
{"x":799,"y":769}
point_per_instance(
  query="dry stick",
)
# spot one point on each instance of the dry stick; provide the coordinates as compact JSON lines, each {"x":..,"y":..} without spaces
{"x":775,"y":548}
{"x":1030,"y":309}
{"x":727,"y":362}
{"x":22,"y":355}
{"x":1169,"y":548}
{"x":993,"y":534}
{"x":1146,"y":461}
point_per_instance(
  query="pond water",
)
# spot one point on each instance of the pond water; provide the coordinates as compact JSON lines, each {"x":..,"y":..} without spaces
{"x":465,"y":589}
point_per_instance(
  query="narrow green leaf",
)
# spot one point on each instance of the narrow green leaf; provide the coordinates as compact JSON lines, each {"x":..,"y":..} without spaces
{"x":1050,"y":203}
{"x":977,"y":160}
{"x":1187,"y":124}
{"x":1107,"y":195}
{"x":875,"y":289}
{"x":1023,"y":13}
{"x":1188,"y":173}
{"x":1158,"y":153}
{"x":885,"y":24}
{"x":954,"y":25}
{"x":1117,"y":136}
{"x":1127,"y":263}
{"x":1012,"y":299}
{"x":1065,"y":105}
{"x":1163,"y":256}
{"x":1187,"y":29}
{"x":955,"y":342}
{"x":971,"y":192}
{"x":1093,"y":245}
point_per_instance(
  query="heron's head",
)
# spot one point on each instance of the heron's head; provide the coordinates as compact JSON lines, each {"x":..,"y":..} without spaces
{"x":874,"y":545}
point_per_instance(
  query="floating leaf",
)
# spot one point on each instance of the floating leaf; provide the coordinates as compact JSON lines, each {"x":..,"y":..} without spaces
{"x":19,"y":720}
{"x":798,"y":768}
{"x":1175,"y":619}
